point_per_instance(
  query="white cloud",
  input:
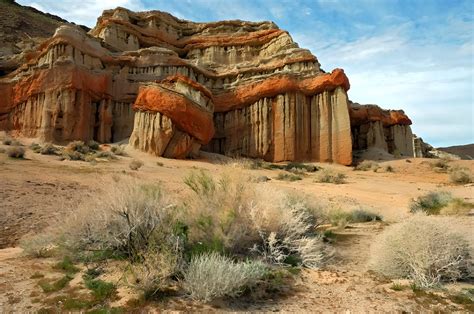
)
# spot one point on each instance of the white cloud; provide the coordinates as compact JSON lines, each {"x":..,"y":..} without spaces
{"x":83,"y":12}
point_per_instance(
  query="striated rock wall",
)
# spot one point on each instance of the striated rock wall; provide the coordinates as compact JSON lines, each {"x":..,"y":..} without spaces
{"x":175,"y":86}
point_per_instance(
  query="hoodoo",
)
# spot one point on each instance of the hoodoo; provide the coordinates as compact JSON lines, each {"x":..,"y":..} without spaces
{"x":175,"y":87}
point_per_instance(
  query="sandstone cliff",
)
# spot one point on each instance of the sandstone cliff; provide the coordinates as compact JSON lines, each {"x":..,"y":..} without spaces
{"x":174,"y":87}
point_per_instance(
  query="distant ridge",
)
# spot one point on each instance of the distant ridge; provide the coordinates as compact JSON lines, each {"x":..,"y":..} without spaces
{"x":466,"y":152}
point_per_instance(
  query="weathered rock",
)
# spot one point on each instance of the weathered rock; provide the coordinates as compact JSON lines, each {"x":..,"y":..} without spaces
{"x":172,"y":86}
{"x":374,"y":127}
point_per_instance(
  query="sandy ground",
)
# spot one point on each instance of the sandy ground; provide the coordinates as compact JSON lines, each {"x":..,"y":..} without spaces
{"x":39,"y":190}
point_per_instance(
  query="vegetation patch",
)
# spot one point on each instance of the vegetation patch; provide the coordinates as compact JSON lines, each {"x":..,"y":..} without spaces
{"x":440,"y":202}
{"x":331,"y":176}
{"x":135,"y":164}
{"x":460,"y":175}
{"x":49,"y":286}
{"x":428,"y":250}
{"x":289,"y":177}
{"x":367,"y":165}
{"x":17,"y":152}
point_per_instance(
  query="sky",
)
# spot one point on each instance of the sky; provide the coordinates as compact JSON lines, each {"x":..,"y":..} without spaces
{"x":415,"y":55}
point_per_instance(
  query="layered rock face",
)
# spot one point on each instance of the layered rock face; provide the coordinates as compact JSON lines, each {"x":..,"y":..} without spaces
{"x":174,"y":87}
{"x":374,"y":127}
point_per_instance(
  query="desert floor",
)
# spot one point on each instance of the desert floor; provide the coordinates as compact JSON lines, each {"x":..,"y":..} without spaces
{"x":39,"y":190}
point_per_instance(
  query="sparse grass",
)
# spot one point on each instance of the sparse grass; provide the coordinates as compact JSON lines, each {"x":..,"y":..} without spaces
{"x":460,"y":175}
{"x":211,"y":276}
{"x":16,"y":152}
{"x":100,"y":289}
{"x":367,"y":165}
{"x":428,"y":250}
{"x":67,"y":266}
{"x":341,"y":218}
{"x":331,"y":176}
{"x":431,"y":203}
{"x":289,"y":177}
{"x":49,"y":286}
{"x":440,"y":165}
{"x":397,"y":287}
{"x":135,"y":164}
{"x":40,"y":245}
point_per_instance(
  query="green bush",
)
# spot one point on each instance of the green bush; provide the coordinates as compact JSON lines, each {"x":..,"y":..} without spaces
{"x":431,"y":203}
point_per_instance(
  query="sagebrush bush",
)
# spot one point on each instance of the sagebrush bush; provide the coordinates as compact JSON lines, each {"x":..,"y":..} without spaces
{"x":105,"y":154}
{"x":389,"y":168}
{"x":331,"y":176}
{"x":7,"y":141}
{"x":341,"y":219}
{"x":16,"y":152}
{"x":431,"y":203}
{"x":126,"y":218}
{"x":93,"y":145}
{"x":428,"y":250}
{"x":73,"y":155}
{"x":135,"y":164}
{"x":294,"y":166}
{"x":211,"y":275}
{"x":367,"y":165}
{"x":362,"y":215}
{"x":231,"y":215}
{"x":441,"y":165}
{"x":40,"y":245}
{"x":460,"y":175}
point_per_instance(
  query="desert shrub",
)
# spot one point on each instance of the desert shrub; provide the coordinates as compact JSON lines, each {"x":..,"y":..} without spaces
{"x":361,"y":215}
{"x":100,"y":289}
{"x":39,"y":245}
{"x":93,"y":145}
{"x":153,"y":273}
{"x":211,"y":276}
{"x":126,"y":218}
{"x":457,"y":206}
{"x":231,"y":215}
{"x":289,"y":177}
{"x":367,"y":165}
{"x":73,"y":155}
{"x":441,"y":165}
{"x":460,"y":175}
{"x":294,"y":166}
{"x":135,"y":164}
{"x":7,"y":141}
{"x":49,"y":286}
{"x":105,"y":154}
{"x":427,"y":250}
{"x":160,"y":164}
{"x":389,"y":168}
{"x":78,"y":146}
{"x":35,"y":147}
{"x":2,"y":150}
{"x":48,"y":149}
{"x":341,"y":219}
{"x":331,"y":176}
{"x":118,"y":150}
{"x":16,"y":152}
{"x":431,"y":203}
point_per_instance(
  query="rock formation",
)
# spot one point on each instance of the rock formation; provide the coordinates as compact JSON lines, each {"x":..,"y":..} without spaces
{"x":175,"y":87}
{"x":374,"y":127}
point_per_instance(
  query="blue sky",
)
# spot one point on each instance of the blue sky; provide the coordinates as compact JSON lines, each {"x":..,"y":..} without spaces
{"x":413,"y":55}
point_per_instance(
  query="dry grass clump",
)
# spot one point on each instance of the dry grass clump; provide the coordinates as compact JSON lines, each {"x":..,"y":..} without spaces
{"x":389,"y":168}
{"x":48,"y":149}
{"x":441,"y":165}
{"x":331,"y":176}
{"x":17,"y":152}
{"x":135,"y":164}
{"x":211,"y":275}
{"x":427,"y":250}
{"x":341,"y":219}
{"x":41,"y":245}
{"x":289,"y":177}
{"x":367,"y":165}
{"x":78,"y":146}
{"x":460,"y":175}
{"x":118,"y":150}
